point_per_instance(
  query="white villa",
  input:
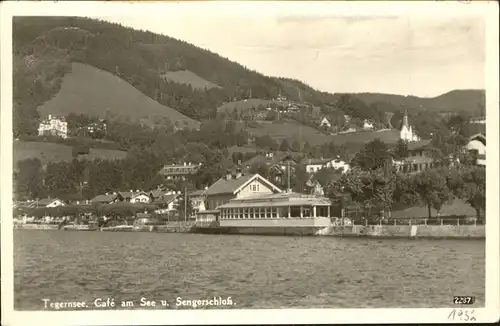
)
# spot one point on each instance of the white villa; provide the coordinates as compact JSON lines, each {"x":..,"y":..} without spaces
{"x":477,"y":144}
{"x":313,"y":165}
{"x":325,"y":123}
{"x":55,"y":126}
{"x":407,"y":133}
{"x":367,"y":125}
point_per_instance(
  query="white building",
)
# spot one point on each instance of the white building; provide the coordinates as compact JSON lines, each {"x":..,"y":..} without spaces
{"x":54,"y":126}
{"x":50,"y":202}
{"x":477,"y":144}
{"x":313,"y":165}
{"x":367,"y":125}
{"x":325,"y":123}
{"x":407,"y":133}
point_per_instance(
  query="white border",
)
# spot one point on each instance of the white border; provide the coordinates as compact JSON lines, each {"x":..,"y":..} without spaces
{"x":489,"y":10}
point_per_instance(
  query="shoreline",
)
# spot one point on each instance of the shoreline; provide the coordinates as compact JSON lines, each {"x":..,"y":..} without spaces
{"x":458,"y":232}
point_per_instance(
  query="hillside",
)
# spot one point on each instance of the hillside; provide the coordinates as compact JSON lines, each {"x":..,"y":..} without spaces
{"x":471,"y":101}
{"x":144,"y":75}
{"x":188,"y":78}
{"x":98,"y":93}
{"x":51,"y":152}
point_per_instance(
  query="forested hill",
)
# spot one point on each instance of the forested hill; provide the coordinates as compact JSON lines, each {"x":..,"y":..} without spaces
{"x":177,"y":75}
{"x":44,"y":48}
{"x":471,"y":101}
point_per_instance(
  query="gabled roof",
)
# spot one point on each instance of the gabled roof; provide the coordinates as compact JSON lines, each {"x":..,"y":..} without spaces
{"x":418,"y":144}
{"x":316,"y":161}
{"x":165,"y":199}
{"x":480,"y":137}
{"x":198,"y":193}
{"x":234,"y":185}
{"x":131,"y":194}
{"x":47,"y":201}
{"x":276,"y":158}
{"x":104,"y":198}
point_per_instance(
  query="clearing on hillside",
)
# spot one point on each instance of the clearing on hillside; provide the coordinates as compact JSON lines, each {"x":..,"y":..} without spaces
{"x":189,"y":78}
{"x":52,"y":152}
{"x":96,"y":92}
{"x":292,"y":130}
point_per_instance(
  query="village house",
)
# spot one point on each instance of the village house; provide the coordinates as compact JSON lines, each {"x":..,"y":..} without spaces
{"x":53,"y":126}
{"x":107,"y":198}
{"x":367,"y":125}
{"x":133,"y":197}
{"x":237,"y":185}
{"x":50,"y":202}
{"x":197,"y":199}
{"x":325,"y":123}
{"x":419,"y":157}
{"x":480,"y":120}
{"x":314,"y":187}
{"x":166,"y":201}
{"x":477,"y":145}
{"x":277,"y":164}
{"x":313,"y":165}
{"x":179,"y":171}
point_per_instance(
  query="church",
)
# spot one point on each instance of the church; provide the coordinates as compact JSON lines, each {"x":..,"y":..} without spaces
{"x":407,"y":133}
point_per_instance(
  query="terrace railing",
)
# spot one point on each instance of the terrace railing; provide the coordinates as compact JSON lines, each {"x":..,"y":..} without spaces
{"x":468,"y":220}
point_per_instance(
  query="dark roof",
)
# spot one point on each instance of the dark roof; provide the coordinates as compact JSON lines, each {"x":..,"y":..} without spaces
{"x":46,"y":201}
{"x":418,"y":144}
{"x":276,"y":158}
{"x":224,"y":186}
{"x":480,"y":137}
{"x":418,"y":159}
{"x":197,"y":193}
{"x":179,"y":169}
{"x":165,"y":199}
{"x":317,"y":160}
{"x":104,"y":198}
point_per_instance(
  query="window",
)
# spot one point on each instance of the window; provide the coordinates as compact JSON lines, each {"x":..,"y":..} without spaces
{"x":273,"y":212}
{"x":262,"y":213}
{"x":245,"y":212}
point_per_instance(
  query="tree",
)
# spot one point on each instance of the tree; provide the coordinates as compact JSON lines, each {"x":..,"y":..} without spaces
{"x":469,"y":184}
{"x":374,"y":155}
{"x":401,"y":150}
{"x":284,"y":147}
{"x":29,"y":179}
{"x":432,"y":189}
{"x":295,"y":146}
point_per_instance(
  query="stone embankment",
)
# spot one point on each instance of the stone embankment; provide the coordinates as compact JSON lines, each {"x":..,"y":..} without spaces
{"x":408,"y":231}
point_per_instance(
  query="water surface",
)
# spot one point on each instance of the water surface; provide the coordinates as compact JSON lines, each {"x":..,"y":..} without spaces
{"x":255,"y":271}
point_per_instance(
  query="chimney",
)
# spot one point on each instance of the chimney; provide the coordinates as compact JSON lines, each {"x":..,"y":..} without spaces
{"x":184,"y":163}
{"x":228,"y":176}
{"x":107,"y":193}
{"x":50,"y":116}
{"x":238,"y":174}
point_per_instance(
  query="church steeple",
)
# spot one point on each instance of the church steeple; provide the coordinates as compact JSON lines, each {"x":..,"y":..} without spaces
{"x":405,"y":120}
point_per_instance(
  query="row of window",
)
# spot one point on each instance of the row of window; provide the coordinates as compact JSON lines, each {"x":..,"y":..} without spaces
{"x":272,"y":212}
{"x":234,"y":213}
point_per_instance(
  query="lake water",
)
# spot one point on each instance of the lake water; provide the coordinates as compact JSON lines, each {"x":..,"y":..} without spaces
{"x":255,"y":271}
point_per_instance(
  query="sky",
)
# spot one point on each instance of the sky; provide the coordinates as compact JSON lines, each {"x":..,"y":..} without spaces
{"x":421,"y":56}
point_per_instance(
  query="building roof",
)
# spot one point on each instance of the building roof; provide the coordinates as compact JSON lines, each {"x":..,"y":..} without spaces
{"x":318,"y":161}
{"x":419,"y":159}
{"x":279,"y":199}
{"x":418,"y":144}
{"x":480,"y":137}
{"x":104,"y":198}
{"x":233,"y":185}
{"x":179,"y":169}
{"x":166,"y":199}
{"x":47,"y":201}
{"x":197,"y":193}
{"x":274,"y":159}
{"x":131,"y":194}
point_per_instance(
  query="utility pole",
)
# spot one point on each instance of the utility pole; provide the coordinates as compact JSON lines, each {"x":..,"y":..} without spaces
{"x":185,"y":201}
{"x":288,"y":174}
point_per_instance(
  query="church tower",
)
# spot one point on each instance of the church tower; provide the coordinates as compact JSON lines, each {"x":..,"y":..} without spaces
{"x":406,"y":133}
